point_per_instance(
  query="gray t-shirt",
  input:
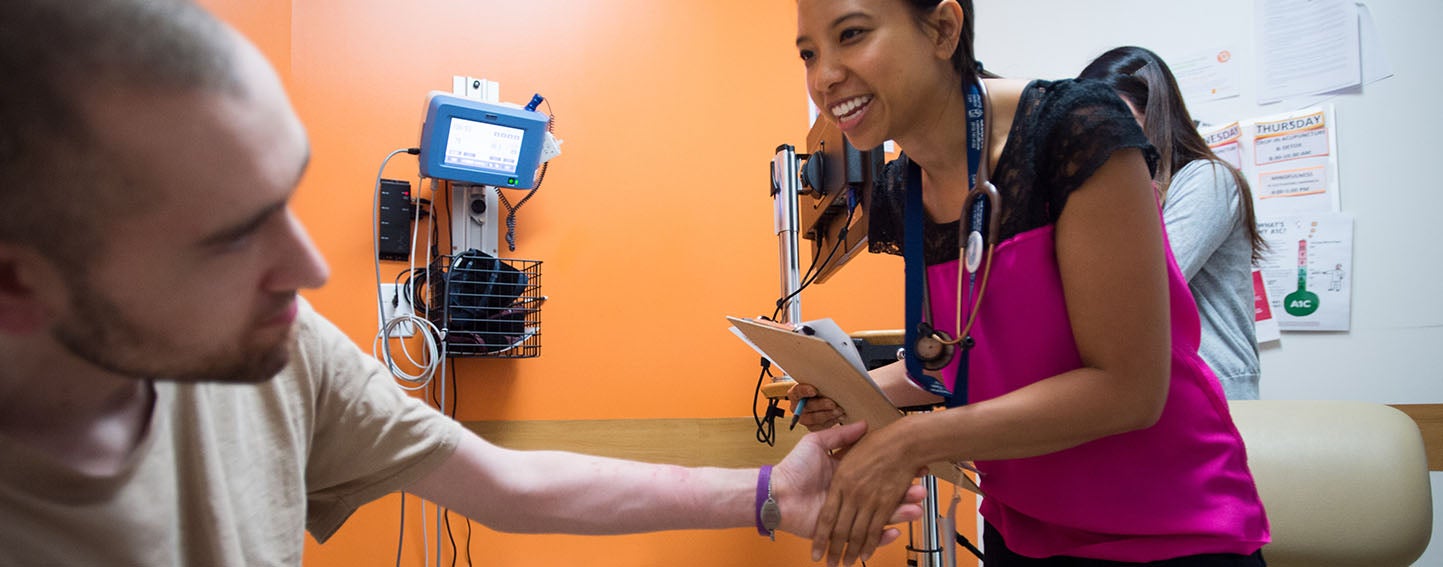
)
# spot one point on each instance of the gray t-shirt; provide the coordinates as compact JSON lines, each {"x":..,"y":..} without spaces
{"x":231,"y":475}
{"x":1204,"y":219}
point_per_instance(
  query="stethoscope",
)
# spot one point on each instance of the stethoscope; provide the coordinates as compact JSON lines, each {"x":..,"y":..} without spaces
{"x":927,"y":347}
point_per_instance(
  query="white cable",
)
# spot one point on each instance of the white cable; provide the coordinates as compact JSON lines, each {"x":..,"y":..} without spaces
{"x":430,"y":231}
{"x":380,"y":345}
{"x":425,"y":537}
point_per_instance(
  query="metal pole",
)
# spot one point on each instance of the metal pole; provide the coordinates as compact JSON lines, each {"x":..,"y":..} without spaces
{"x":785,"y":190}
{"x":784,"y":200}
{"x":928,"y":543}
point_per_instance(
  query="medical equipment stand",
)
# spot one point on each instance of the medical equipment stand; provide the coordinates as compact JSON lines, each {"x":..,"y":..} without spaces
{"x":785,"y":191}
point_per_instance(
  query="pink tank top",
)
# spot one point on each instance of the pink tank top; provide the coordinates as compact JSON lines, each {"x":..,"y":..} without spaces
{"x":1180,"y":487}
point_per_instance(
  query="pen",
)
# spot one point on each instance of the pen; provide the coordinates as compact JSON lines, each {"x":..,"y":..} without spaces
{"x":797,"y":412}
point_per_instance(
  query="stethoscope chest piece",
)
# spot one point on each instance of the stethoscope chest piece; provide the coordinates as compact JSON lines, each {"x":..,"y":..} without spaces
{"x":933,"y":348}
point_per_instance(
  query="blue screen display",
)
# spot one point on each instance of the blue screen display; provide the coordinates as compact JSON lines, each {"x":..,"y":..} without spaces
{"x":469,"y":141}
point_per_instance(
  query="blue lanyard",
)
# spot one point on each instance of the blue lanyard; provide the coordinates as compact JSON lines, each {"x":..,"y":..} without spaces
{"x":914,"y":258}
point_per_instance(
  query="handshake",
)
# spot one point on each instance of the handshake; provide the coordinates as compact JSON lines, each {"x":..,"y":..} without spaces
{"x":801,"y":491}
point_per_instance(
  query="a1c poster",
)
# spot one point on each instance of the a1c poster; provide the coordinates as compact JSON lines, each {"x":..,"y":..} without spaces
{"x":1308,"y":270}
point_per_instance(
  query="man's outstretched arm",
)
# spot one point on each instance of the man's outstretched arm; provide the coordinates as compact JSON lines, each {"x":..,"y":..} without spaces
{"x":558,"y":492}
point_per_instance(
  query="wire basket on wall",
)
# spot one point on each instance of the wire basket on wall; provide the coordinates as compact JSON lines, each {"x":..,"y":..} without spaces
{"x":488,"y":307}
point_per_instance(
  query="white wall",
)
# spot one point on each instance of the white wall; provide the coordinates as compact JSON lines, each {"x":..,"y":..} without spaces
{"x":1388,"y":165}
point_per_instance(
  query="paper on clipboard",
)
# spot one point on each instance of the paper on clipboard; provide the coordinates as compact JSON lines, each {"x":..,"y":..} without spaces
{"x":821,"y":360}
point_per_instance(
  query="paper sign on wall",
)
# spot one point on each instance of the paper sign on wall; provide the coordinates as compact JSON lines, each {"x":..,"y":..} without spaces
{"x":1266,"y":326}
{"x":1290,"y":160}
{"x":1308,"y":270}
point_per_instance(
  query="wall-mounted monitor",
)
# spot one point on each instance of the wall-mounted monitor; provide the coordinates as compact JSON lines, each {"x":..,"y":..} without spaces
{"x":480,"y":143}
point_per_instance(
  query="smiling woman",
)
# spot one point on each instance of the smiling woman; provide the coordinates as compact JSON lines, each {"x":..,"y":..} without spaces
{"x":1082,"y":355}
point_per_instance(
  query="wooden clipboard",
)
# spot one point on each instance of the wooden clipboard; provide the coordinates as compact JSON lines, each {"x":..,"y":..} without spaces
{"x":812,"y":360}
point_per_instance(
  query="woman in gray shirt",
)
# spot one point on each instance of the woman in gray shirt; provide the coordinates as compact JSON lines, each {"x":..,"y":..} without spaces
{"x":1208,"y":211}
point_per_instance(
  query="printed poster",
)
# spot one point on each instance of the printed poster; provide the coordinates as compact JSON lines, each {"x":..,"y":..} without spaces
{"x":1307,"y":270}
{"x":1306,"y":47}
{"x":1290,"y":160}
{"x":1294,"y":163}
{"x":1226,"y":142}
{"x":1206,"y":75}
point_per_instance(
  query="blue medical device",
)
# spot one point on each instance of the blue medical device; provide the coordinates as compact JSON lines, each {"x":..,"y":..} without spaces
{"x":481,"y":143}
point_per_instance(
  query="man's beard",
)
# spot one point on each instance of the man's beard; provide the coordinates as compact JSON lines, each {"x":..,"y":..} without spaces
{"x":100,"y":334}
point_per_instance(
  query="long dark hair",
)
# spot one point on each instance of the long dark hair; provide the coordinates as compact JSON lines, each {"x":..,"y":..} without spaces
{"x":1144,"y":80}
{"x":964,"y":59}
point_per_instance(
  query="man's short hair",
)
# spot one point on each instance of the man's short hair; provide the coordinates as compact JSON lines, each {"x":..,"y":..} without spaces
{"x":56,"y":186}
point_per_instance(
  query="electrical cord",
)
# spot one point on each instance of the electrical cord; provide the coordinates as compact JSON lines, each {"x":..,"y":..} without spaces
{"x":447,"y":515}
{"x":425,"y":536}
{"x":540,"y":176}
{"x":380,"y":346}
{"x":455,"y":399}
{"x":767,"y":426}
{"x":962,"y":540}
{"x":401,"y":534}
{"x":435,"y":358}
{"x":412,"y":283}
{"x":448,"y":376}
{"x":440,"y":511}
{"x":468,"y":542}
{"x":816,"y":267}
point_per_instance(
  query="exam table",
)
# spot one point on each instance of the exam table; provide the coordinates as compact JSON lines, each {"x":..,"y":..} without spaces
{"x":1345,"y":483}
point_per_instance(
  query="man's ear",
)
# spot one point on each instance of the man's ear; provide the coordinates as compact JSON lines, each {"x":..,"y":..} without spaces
{"x":30,"y":289}
{"x":946,"y":20}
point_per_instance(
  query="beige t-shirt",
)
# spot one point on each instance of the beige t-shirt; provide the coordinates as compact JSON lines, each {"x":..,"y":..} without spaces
{"x":231,"y":474}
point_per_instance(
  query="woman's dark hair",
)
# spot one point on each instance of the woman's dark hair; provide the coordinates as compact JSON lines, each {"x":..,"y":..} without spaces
{"x":964,"y":59}
{"x":1144,"y":80}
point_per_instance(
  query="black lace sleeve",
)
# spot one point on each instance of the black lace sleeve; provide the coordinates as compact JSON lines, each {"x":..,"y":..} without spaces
{"x":1063,"y":132}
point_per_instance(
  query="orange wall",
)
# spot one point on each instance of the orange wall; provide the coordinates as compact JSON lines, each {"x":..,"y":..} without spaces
{"x":266,"y":22}
{"x":652,"y":225}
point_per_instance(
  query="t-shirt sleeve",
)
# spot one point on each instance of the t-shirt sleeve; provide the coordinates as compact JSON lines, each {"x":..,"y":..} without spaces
{"x":369,"y":438}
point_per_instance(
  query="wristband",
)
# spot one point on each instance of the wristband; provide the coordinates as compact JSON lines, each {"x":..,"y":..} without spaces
{"x":768,"y":514}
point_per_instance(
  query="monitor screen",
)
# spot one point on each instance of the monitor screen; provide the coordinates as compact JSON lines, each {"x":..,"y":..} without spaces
{"x":484,"y":146}
{"x":481,"y":143}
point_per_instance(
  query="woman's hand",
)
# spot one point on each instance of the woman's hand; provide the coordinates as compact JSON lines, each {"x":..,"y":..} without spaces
{"x":865,"y":489}
{"x":803,"y":479}
{"x":820,"y":412}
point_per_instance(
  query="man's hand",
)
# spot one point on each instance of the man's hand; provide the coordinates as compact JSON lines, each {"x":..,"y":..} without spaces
{"x":801,"y":481}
